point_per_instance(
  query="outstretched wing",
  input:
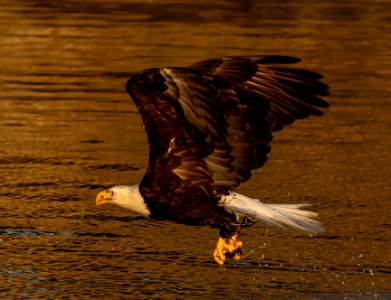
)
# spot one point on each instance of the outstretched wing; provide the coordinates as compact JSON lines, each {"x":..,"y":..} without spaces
{"x":210,"y":124}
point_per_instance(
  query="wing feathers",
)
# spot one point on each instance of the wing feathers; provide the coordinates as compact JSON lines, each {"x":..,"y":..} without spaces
{"x":209,"y":125}
{"x":196,"y":99}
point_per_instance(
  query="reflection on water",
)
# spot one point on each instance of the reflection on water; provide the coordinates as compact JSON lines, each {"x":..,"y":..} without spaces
{"x":68,"y":129}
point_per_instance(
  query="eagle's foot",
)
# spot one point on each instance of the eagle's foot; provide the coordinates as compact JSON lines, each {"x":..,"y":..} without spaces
{"x":227,"y":247}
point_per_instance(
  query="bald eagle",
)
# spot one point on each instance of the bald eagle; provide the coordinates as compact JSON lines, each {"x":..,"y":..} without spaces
{"x":209,"y":125}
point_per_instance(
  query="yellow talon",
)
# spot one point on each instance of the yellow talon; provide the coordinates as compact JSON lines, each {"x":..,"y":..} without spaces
{"x":219,"y":251}
{"x":227,"y":247}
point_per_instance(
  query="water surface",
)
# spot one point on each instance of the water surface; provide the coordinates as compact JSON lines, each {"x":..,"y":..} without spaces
{"x":68,"y":129}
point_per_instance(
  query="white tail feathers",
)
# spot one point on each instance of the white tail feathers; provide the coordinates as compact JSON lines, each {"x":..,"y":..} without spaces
{"x":280,"y":215}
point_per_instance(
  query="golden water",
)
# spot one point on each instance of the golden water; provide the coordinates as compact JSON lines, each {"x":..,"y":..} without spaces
{"x":68,"y":129}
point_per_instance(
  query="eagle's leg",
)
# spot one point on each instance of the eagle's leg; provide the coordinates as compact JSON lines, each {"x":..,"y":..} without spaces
{"x":228,"y":246}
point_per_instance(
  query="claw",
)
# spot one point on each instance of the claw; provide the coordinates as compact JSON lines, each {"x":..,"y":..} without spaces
{"x":227,"y":247}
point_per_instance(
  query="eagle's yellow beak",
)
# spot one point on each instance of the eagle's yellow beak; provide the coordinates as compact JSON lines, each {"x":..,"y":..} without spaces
{"x":103,"y":197}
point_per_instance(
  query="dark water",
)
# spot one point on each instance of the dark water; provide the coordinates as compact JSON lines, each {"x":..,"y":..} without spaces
{"x":68,"y":129}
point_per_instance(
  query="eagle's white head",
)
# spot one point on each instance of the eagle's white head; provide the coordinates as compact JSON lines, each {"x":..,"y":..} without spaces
{"x":127,"y":196}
